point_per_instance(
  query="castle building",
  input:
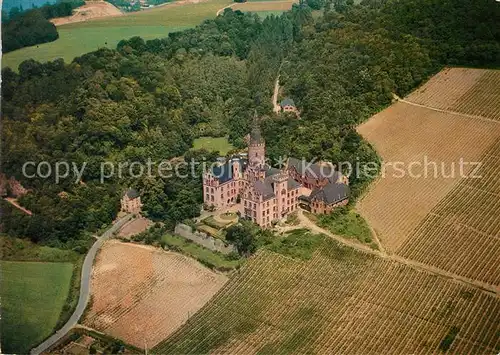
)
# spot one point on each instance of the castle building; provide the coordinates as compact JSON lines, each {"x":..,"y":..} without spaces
{"x":264,"y":194}
{"x":131,"y":201}
{"x":287,"y":105}
{"x":324,"y":188}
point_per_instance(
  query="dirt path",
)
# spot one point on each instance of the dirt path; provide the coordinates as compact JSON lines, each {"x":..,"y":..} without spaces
{"x":307,"y":223}
{"x":276,"y":107}
{"x":14,"y":202}
{"x":222,"y":10}
{"x":397,"y":98}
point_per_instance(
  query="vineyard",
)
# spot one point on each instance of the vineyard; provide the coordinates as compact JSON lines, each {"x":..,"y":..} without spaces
{"x":339,"y":301}
{"x":448,"y":222}
{"x":402,"y":133}
{"x":142,"y":294}
{"x":474,"y":92}
{"x":461,"y":234}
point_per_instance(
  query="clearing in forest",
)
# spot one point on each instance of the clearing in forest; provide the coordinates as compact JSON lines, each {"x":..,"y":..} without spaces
{"x":339,"y":301}
{"x":142,"y":294}
{"x":448,"y":221}
{"x":213,"y":144}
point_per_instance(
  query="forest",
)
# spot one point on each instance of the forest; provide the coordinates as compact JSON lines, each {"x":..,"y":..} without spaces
{"x":22,"y":29}
{"x":150,"y":99}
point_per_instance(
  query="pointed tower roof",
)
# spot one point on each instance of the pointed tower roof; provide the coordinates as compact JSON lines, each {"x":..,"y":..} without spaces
{"x":255,"y":134}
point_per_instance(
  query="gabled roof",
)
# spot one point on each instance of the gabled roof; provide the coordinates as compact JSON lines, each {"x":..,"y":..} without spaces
{"x":265,"y":188}
{"x":330,"y":193}
{"x":315,"y":170}
{"x":287,"y":102}
{"x":292,"y":184}
{"x":132,"y":193}
{"x":270,"y":171}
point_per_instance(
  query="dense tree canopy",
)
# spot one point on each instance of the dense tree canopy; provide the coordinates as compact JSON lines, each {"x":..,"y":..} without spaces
{"x":23,"y":29}
{"x":150,"y":99}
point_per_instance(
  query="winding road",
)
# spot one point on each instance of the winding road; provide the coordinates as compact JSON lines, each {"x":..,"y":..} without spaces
{"x":84,"y":288}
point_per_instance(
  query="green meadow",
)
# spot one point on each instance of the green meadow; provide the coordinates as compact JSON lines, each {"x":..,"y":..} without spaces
{"x":212,"y":144}
{"x":83,"y":37}
{"x":33,"y":295}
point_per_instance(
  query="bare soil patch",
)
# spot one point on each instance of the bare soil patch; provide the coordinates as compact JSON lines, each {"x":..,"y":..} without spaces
{"x":256,"y":6}
{"x":143,"y":294}
{"x":91,"y":10}
{"x":135,"y":226}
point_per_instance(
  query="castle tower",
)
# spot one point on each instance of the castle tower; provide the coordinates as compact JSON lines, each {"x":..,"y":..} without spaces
{"x":280,"y":184}
{"x":257,"y":146}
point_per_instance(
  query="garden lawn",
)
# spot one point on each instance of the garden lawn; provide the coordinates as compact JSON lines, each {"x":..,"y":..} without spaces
{"x":33,"y":295}
{"x":212,"y":144}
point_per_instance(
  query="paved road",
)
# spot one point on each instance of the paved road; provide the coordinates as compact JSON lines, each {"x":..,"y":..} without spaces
{"x":84,"y":288}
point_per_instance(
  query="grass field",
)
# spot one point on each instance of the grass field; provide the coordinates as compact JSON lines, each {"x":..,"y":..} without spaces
{"x":15,"y":249}
{"x":79,"y":38}
{"x":346,"y":223}
{"x":33,"y":295}
{"x":77,"y":41}
{"x":338,"y":301}
{"x":205,"y":256}
{"x":212,"y":144}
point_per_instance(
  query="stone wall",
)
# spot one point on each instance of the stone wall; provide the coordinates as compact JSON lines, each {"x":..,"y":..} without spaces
{"x":203,"y":239}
